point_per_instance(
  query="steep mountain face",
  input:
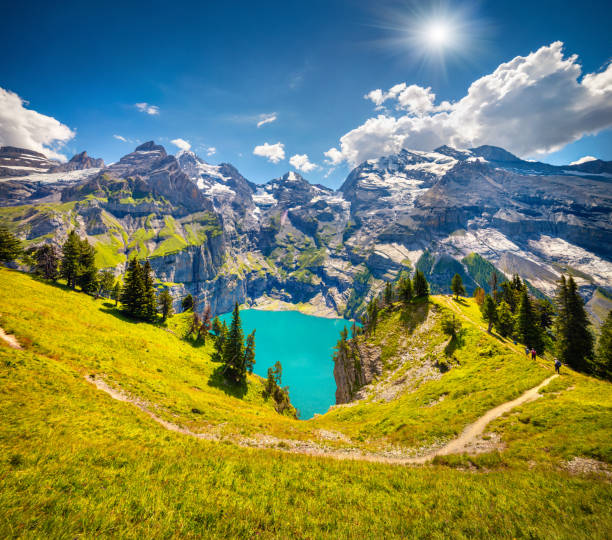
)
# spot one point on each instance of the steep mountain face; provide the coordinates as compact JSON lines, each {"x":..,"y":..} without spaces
{"x":21,"y":162}
{"x":209,"y":231}
{"x":79,"y":162}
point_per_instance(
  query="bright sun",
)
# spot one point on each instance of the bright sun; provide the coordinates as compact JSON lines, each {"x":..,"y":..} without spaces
{"x":438,"y":34}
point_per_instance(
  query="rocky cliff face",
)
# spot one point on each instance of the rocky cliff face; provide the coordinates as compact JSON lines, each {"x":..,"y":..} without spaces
{"x":22,"y":162}
{"x":355,"y":367}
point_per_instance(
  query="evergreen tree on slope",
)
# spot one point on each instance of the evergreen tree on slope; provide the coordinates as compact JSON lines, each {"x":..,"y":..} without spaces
{"x":603,"y":359}
{"x":233,"y":353}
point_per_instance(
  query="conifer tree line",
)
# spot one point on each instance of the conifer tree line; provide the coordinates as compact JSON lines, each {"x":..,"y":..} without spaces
{"x":517,"y":314}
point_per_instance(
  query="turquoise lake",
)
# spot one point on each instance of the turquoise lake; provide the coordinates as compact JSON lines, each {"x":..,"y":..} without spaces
{"x":304,"y":345}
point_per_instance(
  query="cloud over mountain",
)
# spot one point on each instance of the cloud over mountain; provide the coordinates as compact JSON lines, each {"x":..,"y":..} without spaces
{"x":302,"y":163}
{"x":181,"y":143}
{"x":272,"y":152}
{"x":26,"y":128}
{"x":543,"y":96}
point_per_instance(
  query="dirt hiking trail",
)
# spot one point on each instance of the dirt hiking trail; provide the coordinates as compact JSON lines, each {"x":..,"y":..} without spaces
{"x":10,"y":340}
{"x":461,"y":444}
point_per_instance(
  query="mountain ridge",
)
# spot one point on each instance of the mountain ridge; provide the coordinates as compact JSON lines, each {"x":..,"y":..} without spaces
{"x":302,"y":242}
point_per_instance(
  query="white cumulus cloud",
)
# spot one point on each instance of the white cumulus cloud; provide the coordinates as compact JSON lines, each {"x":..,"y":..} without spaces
{"x":147,"y":108}
{"x":302,"y":163}
{"x":272,"y":152}
{"x":25,"y":128}
{"x":532,"y":104}
{"x":583,"y":159}
{"x":266,"y":119}
{"x":181,"y":143}
{"x":334,"y":156}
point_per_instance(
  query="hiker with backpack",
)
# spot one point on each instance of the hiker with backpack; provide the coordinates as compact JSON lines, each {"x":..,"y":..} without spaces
{"x":557,"y":365}
{"x":533,"y":354}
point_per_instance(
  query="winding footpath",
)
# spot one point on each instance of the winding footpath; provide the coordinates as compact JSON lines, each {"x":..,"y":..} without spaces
{"x":461,"y":444}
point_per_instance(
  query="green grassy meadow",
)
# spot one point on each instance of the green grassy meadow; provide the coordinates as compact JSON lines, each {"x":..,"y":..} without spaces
{"x":76,"y":463}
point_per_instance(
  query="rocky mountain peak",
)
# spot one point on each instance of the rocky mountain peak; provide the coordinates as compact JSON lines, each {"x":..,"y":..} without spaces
{"x":494,"y":153}
{"x":79,"y":162}
{"x":150,"y":146}
{"x":143,"y":158}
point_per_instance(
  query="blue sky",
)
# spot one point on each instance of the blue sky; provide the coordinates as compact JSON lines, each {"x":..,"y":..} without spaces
{"x":212,"y":71}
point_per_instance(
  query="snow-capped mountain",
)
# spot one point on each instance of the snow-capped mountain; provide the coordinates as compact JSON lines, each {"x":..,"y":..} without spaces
{"x":220,"y":236}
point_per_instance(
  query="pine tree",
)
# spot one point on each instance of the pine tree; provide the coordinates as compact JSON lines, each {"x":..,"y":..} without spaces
{"x":87,"y":273}
{"x":165,"y":304}
{"x":544,"y":312}
{"x":372,"y":311}
{"x":420,"y":285}
{"x":575,"y":339}
{"x":71,"y":251}
{"x":116,"y":294}
{"x":603,"y":358}
{"x":133,"y":288}
{"x":187,"y":302}
{"x":249,"y":353}
{"x":219,"y":345}
{"x":233,"y":352}
{"x":527,"y":328}
{"x":479,"y":295}
{"x":493,"y":285}
{"x":457,"y":286}
{"x":47,"y":262}
{"x":489,"y":311}
{"x":148,"y":306}
{"x":505,"y":321}
{"x":216,"y":326}
{"x":388,"y":294}
{"x":405,"y":289}
{"x":10,"y":246}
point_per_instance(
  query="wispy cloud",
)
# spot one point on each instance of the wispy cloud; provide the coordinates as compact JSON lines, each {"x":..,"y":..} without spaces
{"x":302,"y":163}
{"x":583,"y":159}
{"x":121,"y":138}
{"x":266,"y":119}
{"x":272,"y":152}
{"x":147,"y":108}
{"x":211,"y":151}
{"x":181,"y":143}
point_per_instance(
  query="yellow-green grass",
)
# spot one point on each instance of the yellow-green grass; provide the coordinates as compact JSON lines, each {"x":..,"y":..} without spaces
{"x":75,"y":462}
{"x":144,"y":360}
{"x":484,"y":373}
{"x":156,"y":365}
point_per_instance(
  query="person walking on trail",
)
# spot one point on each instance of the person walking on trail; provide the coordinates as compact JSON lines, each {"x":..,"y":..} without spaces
{"x":557,"y":365}
{"x":527,"y":351}
{"x":533,"y":354}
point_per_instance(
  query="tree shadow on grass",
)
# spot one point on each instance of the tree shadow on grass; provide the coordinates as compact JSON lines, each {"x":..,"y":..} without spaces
{"x":414,"y":314}
{"x":218,"y":380}
{"x":460,"y":301}
{"x":115,"y":312}
{"x":456,"y":342}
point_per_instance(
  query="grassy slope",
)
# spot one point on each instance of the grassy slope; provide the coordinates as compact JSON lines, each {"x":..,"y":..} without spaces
{"x":76,"y":462}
